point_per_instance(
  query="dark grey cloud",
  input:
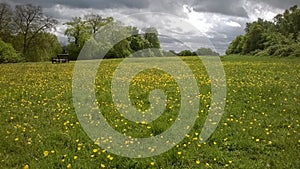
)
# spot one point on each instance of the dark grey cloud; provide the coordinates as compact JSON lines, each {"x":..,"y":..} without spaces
{"x":98,"y":4}
{"x":220,"y":20}
{"x":236,"y":7}
{"x":282,"y":4}
{"x":225,"y":7}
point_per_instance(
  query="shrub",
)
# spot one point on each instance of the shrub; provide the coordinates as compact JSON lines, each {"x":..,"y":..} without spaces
{"x":262,"y":53}
{"x":272,"y":49}
{"x":284,"y":51}
{"x":296,"y":51}
{"x":8,"y":54}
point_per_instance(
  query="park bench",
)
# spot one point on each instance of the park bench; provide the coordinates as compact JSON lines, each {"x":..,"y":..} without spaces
{"x":61,"y":58}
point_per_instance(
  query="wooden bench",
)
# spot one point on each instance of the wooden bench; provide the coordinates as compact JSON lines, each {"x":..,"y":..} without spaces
{"x":61,"y":58}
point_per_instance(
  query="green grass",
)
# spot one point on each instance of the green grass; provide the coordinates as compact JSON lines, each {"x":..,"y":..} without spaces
{"x":259,"y":129}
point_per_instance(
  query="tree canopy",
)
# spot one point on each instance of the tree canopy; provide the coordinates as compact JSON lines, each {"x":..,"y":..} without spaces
{"x":26,"y":33}
{"x":87,"y":30}
{"x":281,"y":37}
{"x":198,"y":52}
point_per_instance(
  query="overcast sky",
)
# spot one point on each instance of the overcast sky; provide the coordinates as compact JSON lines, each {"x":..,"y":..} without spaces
{"x":181,"y":23}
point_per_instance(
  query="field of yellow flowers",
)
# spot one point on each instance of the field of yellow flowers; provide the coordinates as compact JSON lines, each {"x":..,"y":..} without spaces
{"x":259,"y":129}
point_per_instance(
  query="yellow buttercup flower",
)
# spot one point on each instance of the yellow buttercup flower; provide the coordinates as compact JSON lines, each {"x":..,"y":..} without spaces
{"x":46,"y":153}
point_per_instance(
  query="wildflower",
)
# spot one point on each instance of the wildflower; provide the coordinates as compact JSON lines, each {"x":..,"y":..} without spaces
{"x":46,"y":153}
{"x":102,"y":166}
{"x":198,"y":162}
{"x":110,"y":157}
{"x":152,"y":163}
{"x":69,"y":166}
{"x":26,"y":166}
{"x":179,"y":152}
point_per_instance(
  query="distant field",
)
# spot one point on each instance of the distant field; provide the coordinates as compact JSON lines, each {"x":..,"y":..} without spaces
{"x":259,"y":129}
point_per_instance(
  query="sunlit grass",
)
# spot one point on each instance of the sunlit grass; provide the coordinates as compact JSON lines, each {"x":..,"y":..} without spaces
{"x":260,"y":127}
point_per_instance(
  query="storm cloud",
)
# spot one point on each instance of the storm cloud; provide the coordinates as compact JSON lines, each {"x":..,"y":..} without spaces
{"x":220,"y":21}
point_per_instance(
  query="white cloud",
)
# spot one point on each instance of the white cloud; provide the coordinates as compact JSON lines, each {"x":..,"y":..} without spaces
{"x":233,"y":24}
{"x":217,"y":21}
{"x":260,"y":10}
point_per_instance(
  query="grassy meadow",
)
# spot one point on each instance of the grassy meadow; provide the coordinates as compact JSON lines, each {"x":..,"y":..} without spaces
{"x":259,"y":129}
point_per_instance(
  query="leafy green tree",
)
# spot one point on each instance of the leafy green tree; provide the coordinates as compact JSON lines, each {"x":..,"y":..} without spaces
{"x":254,"y":39}
{"x":136,"y":40}
{"x":137,"y":43}
{"x":80,"y":30}
{"x":77,"y":33}
{"x":206,"y":52}
{"x":236,"y":46}
{"x":289,"y":22}
{"x":187,"y":53}
{"x":151,"y":36}
{"x":120,"y":50}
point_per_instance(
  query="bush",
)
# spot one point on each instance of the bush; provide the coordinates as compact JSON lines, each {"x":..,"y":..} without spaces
{"x":296,"y":52}
{"x":284,"y":51}
{"x":262,"y":53}
{"x":8,"y":54}
{"x":272,"y":49}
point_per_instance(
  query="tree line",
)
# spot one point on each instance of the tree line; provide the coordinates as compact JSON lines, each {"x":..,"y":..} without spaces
{"x":198,"y":52}
{"x":25,"y":36}
{"x":97,"y":33}
{"x":280,"y":37}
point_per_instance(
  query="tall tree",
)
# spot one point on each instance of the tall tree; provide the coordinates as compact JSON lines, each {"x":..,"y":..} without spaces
{"x":95,"y":22}
{"x":136,"y":40}
{"x":289,"y":22}
{"x":29,"y":20}
{"x":254,"y":38}
{"x":236,"y":46}
{"x":151,"y":36}
{"x":77,"y":33}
